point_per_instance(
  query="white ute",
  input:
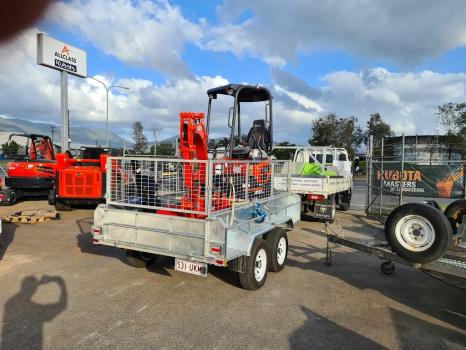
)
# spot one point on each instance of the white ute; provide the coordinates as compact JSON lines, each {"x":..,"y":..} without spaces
{"x":322,"y":177}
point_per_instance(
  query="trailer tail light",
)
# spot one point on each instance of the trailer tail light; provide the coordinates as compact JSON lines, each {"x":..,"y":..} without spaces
{"x":216,"y":249}
{"x":96,"y":231}
{"x":315,"y":197}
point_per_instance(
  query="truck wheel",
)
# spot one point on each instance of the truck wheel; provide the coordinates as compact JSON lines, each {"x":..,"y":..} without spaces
{"x":60,"y":206}
{"x":418,"y":232}
{"x":344,"y":206}
{"x":277,"y":249}
{"x":345,"y":200}
{"x":256,"y":265}
{"x":454,"y":213}
{"x":12,"y":197}
{"x":139,"y":259}
{"x":51,"y":197}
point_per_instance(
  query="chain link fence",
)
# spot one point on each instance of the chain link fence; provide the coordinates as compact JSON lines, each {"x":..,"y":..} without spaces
{"x":412,"y":169}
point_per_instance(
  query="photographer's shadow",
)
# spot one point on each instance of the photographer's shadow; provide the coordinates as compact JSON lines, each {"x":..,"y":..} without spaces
{"x":23,"y":319}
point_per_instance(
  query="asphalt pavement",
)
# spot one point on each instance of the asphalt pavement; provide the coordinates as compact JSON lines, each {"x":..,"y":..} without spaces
{"x":59,"y":291}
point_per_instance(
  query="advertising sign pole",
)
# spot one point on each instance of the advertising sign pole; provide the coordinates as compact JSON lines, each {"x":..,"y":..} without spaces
{"x":64,"y":111}
{"x":65,"y":58}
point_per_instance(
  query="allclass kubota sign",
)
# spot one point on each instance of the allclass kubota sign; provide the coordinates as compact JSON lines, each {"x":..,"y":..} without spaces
{"x":61,"y":56}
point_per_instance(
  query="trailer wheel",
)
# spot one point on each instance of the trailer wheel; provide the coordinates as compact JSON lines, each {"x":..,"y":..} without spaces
{"x":256,"y":265}
{"x":60,"y":206}
{"x":418,"y":232}
{"x":277,"y":248}
{"x":454,"y":213}
{"x":139,"y":259}
{"x":387,"y":268}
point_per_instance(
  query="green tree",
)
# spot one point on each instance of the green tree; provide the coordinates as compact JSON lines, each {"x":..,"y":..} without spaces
{"x":377,"y":128}
{"x":163,"y":149}
{"x":331,"y":130}
{"x":284,"y":154}
{"x":10,"y":148}
{"x":140,"y":140}
{"x":452,"y":117}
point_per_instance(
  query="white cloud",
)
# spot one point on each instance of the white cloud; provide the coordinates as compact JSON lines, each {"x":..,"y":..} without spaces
{"x":408,"y":101}
{"x":143,"y":33}
{"x":405,"y":32}
{"x":32,"y":92}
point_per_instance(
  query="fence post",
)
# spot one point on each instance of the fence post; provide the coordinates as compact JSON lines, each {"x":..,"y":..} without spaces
{"x":369,"y":173}
{"x":381,"y":178}
{"x":402,"y":168}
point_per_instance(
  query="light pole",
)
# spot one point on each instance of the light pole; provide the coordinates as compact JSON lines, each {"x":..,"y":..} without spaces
{"x":107,"y":89}
{"x":53,"y":127}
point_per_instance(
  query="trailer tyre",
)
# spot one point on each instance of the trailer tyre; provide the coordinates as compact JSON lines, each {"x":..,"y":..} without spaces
{"x":418,"y":232}
{"x":256,"y":266}
{"x":277,"y":249}
{"x":139,"y":259}
{"x":454,"y":213}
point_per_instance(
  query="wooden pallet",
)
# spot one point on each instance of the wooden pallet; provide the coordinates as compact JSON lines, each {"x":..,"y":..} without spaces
{"x":31,"y":216}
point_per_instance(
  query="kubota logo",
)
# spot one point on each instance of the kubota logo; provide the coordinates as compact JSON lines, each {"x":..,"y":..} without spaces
{"x":65,"y":50}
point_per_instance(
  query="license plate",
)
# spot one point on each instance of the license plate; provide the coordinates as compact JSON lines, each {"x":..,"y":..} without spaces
{"x":323,"y":211}
{"x":194,"y":268}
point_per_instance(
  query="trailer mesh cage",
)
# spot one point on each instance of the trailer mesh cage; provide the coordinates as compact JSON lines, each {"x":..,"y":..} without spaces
{"x":192,"y":186}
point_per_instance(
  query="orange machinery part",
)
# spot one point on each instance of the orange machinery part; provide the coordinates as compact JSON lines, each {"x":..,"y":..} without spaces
{"x":80,"y":178}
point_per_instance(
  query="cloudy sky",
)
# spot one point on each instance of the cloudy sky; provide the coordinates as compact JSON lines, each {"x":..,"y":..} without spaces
{"x":399,"y":58}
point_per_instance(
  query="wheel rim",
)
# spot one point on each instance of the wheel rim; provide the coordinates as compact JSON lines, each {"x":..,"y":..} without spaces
{"x":415,"y":233}
{"x":281,"y":251}
{"x":260,"y":265}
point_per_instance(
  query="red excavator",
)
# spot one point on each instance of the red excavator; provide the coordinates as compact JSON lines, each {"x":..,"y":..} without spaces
{"x":32,"y":169}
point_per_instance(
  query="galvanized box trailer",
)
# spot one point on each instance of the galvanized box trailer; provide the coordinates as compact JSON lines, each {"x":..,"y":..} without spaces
{"x":239,"y":223}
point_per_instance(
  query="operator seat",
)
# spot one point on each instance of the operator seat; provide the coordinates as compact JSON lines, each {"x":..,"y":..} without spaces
{"x":259,"y":136}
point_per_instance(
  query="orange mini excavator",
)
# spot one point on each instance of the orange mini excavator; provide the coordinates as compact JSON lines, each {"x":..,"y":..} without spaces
{"x":193,"y":145}
{"x":31,"y":171}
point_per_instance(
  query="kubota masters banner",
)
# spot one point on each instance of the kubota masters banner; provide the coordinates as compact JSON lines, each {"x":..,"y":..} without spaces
{"x":446,"y":181}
